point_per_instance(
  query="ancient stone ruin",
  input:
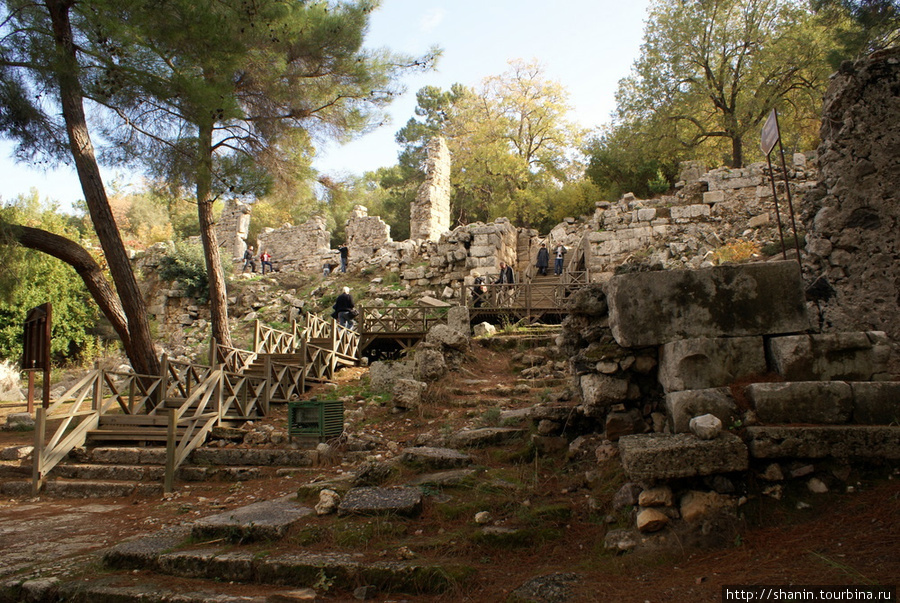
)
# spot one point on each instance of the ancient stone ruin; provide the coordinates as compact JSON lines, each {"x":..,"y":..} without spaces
{"x":429,"y":215}
{"x":853,"y":222}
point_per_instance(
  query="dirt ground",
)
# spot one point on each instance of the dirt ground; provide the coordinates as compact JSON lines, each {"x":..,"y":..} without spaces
{"x":843,"y":538}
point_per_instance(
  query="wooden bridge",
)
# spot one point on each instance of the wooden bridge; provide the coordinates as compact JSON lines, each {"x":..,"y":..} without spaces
{"x":180,"y":406}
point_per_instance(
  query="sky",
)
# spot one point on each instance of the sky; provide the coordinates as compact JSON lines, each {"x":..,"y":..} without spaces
{"x":585,"y":45}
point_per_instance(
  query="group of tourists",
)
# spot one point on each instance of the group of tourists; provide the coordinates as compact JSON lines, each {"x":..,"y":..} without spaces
{"x":265,"y":259}
{"x":506,"y":278}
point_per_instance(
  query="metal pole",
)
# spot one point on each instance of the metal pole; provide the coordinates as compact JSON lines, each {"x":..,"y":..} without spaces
{"x":777,"y":213}
{"x":787,"y":187}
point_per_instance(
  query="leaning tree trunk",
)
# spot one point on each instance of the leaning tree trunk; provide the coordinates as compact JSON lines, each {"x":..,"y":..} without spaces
{"x":139,"y":345}
{"x":218,"y":301}
{"x":84,"y":264}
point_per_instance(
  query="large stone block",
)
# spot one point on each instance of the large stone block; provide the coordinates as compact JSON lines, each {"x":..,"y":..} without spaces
{"x":822,"y":441}
{"x":876,"y":403}
{"x":648,"y":458}
{"x":830,"y":356}
{"x":653,"y":308}
{"x":684,"y":406}
{"x":710,"y":362}
{"x":819,"y":402}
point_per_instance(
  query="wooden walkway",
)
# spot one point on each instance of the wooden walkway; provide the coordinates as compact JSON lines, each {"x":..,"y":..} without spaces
{"x":178,"y":408}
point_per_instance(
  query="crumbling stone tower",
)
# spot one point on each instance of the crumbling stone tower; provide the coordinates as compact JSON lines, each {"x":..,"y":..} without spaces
{"x":429,"y":214}
{"x":233,"y":227}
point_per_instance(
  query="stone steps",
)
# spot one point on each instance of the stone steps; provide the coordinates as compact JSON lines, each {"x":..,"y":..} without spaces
{"x":125,"y":471}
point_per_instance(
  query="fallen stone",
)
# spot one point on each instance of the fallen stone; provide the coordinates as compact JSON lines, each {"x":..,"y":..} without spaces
{"x":706,"y":427}
{"x":822,"y":441}
{"x":705,"y":363}
{"x":434,"y":458}
{"x":444,"y":478}
{"x":651,"y":520}
{"x":627,"y":496}
{"x":19,"y":420}
{"x":16,"y":453}
{"x":382,"y":501}
{"x":660,"y":496}
{"x":684,"y":406}
{"x":328,"y":502}
{"x":816,"y":486}
{"x":267,"y":520}
{"x":486,"y":436}
{"x":654,"y":308}
{"x":697,"y":505}
{"x":620,"y":424}
{"x":620,"y":540}
{"x":484,"y":329}
{"x":651,"y":457}
{"x":828,"y":403}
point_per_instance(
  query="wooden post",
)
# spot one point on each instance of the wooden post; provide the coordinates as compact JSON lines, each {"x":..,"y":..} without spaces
{"x":45,"y":401}
{"x":169,"y":480}
{"x":37,"y":455}
{"x":98,"y":387}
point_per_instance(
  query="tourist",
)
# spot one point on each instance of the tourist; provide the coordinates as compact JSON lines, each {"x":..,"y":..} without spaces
{"x":326,"y":269}
{"x":344,"y":309}
{"x":479,"y":288}
{"x":543,"y":260}
{"x":560,"y":252}
{"x":248,"y":260}
{"x":345,"y":254}
{"x":265,"y":259}
{"x":505,"y":279}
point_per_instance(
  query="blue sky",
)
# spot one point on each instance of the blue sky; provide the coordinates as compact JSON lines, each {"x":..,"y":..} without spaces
{"x":586,"y":45}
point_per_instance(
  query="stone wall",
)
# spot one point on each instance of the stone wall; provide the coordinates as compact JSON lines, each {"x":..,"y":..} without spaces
{"x":683,"y":230}
{"x":430,"y":212}
{"x":232,"y":228}
{"x":366,"y":234}
{"x":306,"y":247}
{"x":853,"y":245}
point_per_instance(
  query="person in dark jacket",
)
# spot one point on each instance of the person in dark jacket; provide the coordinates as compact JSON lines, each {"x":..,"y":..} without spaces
{"x":343,"y":308}
{"x":506,"y":278}
{"x":345,"y":256}
{"x":249,"y":261}
{"x":543,"y":260}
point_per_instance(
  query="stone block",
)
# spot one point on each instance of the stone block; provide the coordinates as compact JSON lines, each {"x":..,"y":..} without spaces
{"x":819,"y":402}
{"x":602,"y":391}
{"x":710,"y":362}
{"x":855,"y":356}
{"x":649,"y":458}
{"x":685,"y":405}
{"x":402,"y":501}
{"x":713,"y":196}
{"x":880,"y":442}
{"x":876,"y":403}
{"x":653,"y":308}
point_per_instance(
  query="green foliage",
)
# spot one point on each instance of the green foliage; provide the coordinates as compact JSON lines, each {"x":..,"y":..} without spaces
{"x":858,"y":26}
{"x":688,"y":90}
{"x":185,"y":264}
{"x":31,"y":278}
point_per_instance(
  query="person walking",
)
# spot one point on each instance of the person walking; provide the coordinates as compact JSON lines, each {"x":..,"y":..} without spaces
{"x":560,"y":252}
{"x":343,"y":308}
{"x":248,"y":260}
{"x":505,"y":279}
{"x":345,"y":255}
{"x":265,"y":259}
{"x":543,"y":260}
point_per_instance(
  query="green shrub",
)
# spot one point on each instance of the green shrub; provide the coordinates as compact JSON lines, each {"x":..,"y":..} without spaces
{"x":185,"y":264}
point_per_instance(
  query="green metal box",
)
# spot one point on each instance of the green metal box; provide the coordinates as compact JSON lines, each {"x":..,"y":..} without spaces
{"x":321,"y":420}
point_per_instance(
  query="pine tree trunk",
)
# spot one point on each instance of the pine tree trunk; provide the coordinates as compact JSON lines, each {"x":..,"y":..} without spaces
{"x":138,"y":346}
{"x":218,"y":301}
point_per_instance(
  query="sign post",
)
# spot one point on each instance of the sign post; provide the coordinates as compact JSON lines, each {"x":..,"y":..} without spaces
{"x":36,"y":350}
{"x":769,"y":137}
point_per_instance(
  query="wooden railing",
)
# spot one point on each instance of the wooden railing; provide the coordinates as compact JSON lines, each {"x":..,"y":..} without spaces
{"x":194,"y":418}
{"x":78,"y":411}
{"x":401,"y":319}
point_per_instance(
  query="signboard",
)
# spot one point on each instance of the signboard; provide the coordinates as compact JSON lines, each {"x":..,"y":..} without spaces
{"x":770,"y":134}
{"x":36,"y":339}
